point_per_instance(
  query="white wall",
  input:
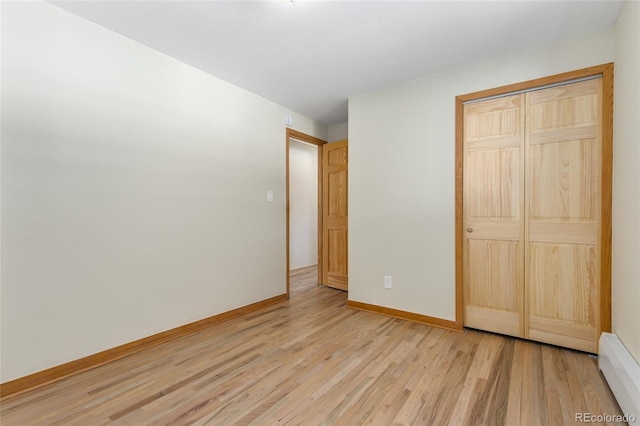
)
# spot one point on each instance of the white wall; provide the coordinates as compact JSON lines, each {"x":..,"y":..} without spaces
{"x":133,"y":191}
{"x":401,"y":174}
{"x":338,"y":132}
{"x":626,"y":181}
{"x":303,"y":204}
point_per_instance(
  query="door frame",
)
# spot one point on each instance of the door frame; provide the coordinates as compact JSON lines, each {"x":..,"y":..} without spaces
{"x":294,"y":134}
{"x":606,"y":72}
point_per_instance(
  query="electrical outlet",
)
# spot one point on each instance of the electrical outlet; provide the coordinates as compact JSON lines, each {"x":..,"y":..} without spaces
{"x":388,"y":282}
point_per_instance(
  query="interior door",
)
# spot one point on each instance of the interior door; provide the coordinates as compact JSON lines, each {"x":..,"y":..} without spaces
{"x":564,"y":151}
{"x":334,"y":218}
{"x":493,"y":210}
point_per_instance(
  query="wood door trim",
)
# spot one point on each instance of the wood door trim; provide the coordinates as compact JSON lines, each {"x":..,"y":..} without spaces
{"x":606,"y":71}
{"x":540,"y":82}
{"x":62,"y":371}
{"x":295,"y":134}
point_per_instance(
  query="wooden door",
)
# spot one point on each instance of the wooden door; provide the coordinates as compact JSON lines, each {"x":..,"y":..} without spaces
{"x":564,"y":154}
{"x":493,"y":214}
{"x":334,"y":218}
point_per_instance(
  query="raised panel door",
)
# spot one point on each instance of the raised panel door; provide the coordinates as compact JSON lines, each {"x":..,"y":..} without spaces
{"x":335,"y":215}
{"x":563,"y":143}
{"x":493,"y":215}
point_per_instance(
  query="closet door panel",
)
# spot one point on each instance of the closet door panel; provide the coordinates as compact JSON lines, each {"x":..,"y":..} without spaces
{"x":564,"y":184}
{"x":493,"y":210}
{"x":493,"y":191}
{"x":562,"y":274}
{"x":563,"y":150}
{"x":493,"y":269}
{"x":563,"y":306}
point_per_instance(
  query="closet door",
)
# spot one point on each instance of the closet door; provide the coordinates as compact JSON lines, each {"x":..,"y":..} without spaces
{"x":493,"y":210}
{"x":563,"y":166}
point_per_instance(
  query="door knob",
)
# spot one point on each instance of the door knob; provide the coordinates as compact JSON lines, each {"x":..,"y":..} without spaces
{"x":469,"y":230}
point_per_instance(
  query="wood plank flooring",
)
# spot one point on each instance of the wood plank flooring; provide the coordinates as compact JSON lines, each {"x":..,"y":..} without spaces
{"x":312,"y":361}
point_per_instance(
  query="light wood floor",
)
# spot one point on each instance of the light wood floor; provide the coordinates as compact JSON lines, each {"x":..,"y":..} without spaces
{"x":312,"y":361}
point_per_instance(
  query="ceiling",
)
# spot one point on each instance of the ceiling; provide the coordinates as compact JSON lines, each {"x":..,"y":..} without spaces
{"x":311,"y":56}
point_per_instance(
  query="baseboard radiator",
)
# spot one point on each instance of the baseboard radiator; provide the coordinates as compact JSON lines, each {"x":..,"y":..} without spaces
{"x":622,"y":372}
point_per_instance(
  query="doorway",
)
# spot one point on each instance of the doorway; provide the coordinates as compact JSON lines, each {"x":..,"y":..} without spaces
{"x":304,"y":216}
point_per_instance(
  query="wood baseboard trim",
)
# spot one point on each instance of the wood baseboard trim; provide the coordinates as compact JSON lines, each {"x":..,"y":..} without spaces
{"x":410,"y":316}
{"x":59,"y":372}
{"x":303,"y":269}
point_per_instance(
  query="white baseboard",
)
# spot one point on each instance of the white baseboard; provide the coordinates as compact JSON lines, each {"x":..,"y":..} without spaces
{"x":622,"y":373}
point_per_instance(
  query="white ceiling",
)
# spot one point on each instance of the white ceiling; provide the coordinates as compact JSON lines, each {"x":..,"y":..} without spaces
{"x":311,"y":56}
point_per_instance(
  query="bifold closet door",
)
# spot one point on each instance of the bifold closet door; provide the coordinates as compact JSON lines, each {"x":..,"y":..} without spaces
{"x":493,"y":213}
{"x":532,"y":201}
{"x":563,"y":166}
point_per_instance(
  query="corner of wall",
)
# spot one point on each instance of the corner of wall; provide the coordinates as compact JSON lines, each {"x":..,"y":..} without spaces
{"x":625,"y":274}
{"x":338,"y":132}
